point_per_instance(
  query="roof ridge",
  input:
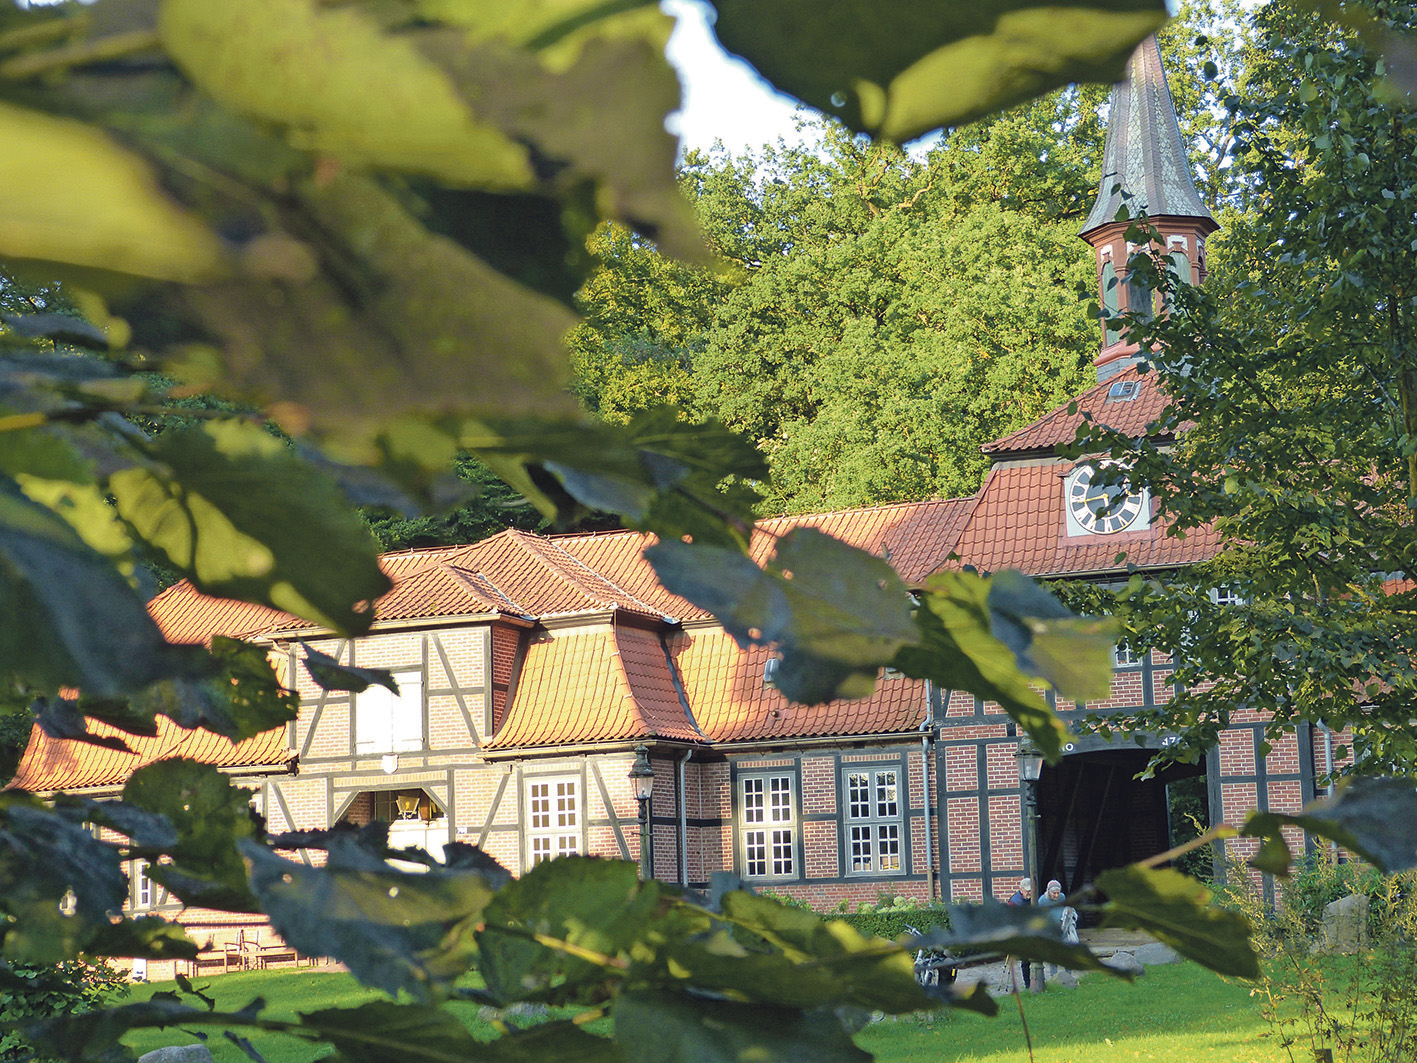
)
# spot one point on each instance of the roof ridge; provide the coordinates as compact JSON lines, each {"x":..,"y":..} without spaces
{"x":469,"y":575}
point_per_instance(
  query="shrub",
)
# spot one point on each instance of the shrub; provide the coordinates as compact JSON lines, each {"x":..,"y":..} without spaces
{"x":890,"y":920}
{"x":31,"y":992}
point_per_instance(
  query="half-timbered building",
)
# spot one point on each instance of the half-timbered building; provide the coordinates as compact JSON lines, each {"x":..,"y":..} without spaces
{"x":530,"y":668}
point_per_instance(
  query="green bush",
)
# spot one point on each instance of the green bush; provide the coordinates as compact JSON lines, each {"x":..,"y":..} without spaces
{"x":1318,"y":881}
{"x":31,"y":992}
{"x":889,"y":920}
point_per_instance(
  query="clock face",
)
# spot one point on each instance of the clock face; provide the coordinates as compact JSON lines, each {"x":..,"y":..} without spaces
{"x":1102,"y":510}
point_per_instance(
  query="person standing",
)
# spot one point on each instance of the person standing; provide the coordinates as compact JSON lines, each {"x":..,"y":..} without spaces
{"x":1022,"y":896}
{"x":1066,"y":917}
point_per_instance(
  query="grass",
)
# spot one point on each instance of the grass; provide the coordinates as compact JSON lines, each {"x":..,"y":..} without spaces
{"x":1178,"y":1013}
{"x":1175,"y":1014}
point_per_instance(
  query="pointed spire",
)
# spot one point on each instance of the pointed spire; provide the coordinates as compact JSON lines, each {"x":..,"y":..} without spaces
{"x":1144,"y":153}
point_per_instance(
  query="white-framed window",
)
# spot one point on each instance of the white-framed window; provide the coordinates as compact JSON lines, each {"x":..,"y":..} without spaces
{"x":144,"y":888}
{"x":1123,"y":656}
{"x":768,"y":831}
{"x":553,"y":817}
{"x":1227,"y":596}
{"x":385,"y":722}
{"x":873,"y":821}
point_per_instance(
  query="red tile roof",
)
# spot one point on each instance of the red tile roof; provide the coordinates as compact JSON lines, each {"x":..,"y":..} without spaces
{"x":596,"y":684}
{"x":52,"y":764}
{"x":1059,"y":426}
{"x":1027,"y":500}
{"x":724,"y":684}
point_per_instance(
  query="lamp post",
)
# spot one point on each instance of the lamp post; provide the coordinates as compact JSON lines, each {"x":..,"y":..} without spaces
{"x":642,"y":779}
{"x":1030,"y":770}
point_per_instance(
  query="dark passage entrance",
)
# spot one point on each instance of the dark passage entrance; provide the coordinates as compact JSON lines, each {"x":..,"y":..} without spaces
{"x":1094,"y":814}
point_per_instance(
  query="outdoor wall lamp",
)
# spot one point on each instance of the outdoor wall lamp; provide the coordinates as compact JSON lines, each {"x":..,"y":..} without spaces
{"x":642,"y":779}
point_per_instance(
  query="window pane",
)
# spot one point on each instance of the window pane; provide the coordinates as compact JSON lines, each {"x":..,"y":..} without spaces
{"x":889,"y":838}
{"x":861,"y":849}
{"x":782,"y":852}
{"x":885,"y":794}
{"x":553,"y":818}
{"x":780,"y":798}
{"x":754,"y":805}
{"x":755,"y":853}
{"x":540,"y":805}
{"x":858,"y":788}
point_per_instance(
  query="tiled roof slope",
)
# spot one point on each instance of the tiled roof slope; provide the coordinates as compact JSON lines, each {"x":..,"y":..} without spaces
{"x":603,"y":684}
{"x":65,"y":764}
{"x":1019,"y":523}
{"x":184,"y":614}
{"x":914,"y":536}
{"x":1059,"y":426}
{"x":725,"y":686}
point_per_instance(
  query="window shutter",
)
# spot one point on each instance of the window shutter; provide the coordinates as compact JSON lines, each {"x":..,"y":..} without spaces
{"x":373,"y":716}
{"x":406,"y":725}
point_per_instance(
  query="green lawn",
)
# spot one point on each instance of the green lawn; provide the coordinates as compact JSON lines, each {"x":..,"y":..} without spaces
{"x":1179,"y":1013}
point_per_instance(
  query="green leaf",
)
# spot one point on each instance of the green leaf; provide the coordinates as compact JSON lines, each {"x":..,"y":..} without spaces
{"x":232,"y":508}
{"x":395,"y":930}
{"x":957,"y":650}
{"x":840,"y":608}
{"x":1072,"y":653}
{"x":1182,"y":913}
{"x":539,"y":102}
{"x":406,"y":320}
{"x":663,"y":474}
{"x":811,"y":961}
{"x":94,"y":1035}
{"x":241,"y":697}
{"x":1375,"y":818}
{"x":594,"y":906}
{"x":329,"y":674}
{"x":150,"y":936}
{"x":340,"y":86}
{"x":44,"y":855}
{"x":556,"y":1041}
{"x":903,"y":69}
{"x":656,"y":1027}
{"x":385,"y":1032}
{"x":211,"y":817}
{"x":70,"y":619}
{"x":1026,"y":931}
{"x":59,"y":328}
{"x":70,"y":195}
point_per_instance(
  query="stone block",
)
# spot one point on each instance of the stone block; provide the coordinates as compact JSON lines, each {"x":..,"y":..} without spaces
{"x":178,"y":1054}
{"x":1344,"y":927}
{"x":1156,"y":953}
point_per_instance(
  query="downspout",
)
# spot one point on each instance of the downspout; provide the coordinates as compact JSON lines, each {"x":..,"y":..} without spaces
{"x":1333,"y":849}
{"x":927,"y":742}
{"x":683,"y":820}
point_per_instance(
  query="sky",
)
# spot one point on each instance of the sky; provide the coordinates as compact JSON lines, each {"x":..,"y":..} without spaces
{"x":724,"y":99}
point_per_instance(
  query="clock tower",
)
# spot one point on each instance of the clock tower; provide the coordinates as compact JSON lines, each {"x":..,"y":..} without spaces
{"x":1145,"y":170}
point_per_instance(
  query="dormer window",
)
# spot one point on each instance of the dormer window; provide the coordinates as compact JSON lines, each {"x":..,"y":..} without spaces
{"x":1124,"y":391}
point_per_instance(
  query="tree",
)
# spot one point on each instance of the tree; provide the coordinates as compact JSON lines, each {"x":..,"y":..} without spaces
{"x":1294,"y":410}
{"x":881,"y":316}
